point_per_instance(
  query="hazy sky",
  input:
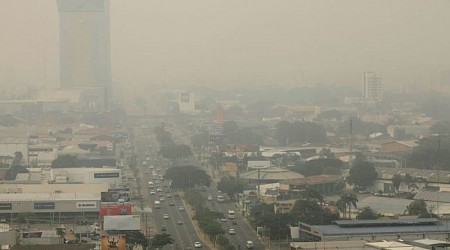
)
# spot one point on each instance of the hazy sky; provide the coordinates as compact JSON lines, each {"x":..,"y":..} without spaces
{"x":237,"y":42}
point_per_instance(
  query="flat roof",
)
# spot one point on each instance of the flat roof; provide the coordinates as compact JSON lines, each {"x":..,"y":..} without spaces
{"x":431,"y":242}
{"x":332,"y":230}
{"x":50,"y":197}
{"x":383,"y":223}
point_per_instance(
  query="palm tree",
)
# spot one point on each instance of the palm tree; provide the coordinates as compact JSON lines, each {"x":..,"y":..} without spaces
{"x":348,"y":200}
{"x":396,"y":181}
{"x":342,"y":206}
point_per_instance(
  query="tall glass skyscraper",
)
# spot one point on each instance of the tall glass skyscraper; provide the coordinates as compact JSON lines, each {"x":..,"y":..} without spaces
{"x":85,"y":59}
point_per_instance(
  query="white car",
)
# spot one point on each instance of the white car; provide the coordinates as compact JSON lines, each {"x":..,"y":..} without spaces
{"x":231,"y":231}
{"x":197,"y":244}
{"x":166,"y":216}
{"x":162,"y":198}
{"x":152,"y":192}
{"x":210,"y":198}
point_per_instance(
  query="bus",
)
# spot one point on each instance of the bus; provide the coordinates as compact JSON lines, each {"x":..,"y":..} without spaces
{"x":231,"y":214}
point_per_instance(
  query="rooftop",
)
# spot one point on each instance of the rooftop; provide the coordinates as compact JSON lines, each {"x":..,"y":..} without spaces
{"x":272,"y":173}
{"x":49,"y":196}
{"x":383,"y":223}
{"x":383,"y":227}
{"x":313,"y":179}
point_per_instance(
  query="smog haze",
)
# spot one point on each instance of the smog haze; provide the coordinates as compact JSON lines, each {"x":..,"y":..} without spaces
{"x":235,"y":43}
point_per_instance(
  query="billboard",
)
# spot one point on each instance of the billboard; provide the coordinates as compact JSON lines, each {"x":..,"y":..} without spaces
{"x":185,"y":97}
{"x":258,"y":164}
{"x":107,"y":175}
{"x":44,"y":205}
{"x":113,"y":242}
{"x":37,"y":234}
{"x":5,"y":206}
{"x":114,"y":209}
{"x":116,"y":195}
{"x":86,"y":204}
{"x":124,"y":222}
{"x":229,"y":167}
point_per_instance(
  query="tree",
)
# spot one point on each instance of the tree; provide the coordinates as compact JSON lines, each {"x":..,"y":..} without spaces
{"x":320,"y":166}
{"x":61,"y":233}
{"x":362,"y":174}
{"x":367,"y":213}
{"x":263,"y":215}
{"x":349,"y":199}
{"x":194,"y":198}
{"x":12,"y":172}
{"x":175,"y":152}
{"x":300,"y":132}
{"x":326,"y":153}
{"x":308,"y":211}
{"x":396,"y":181}
{"x":410,"y":182}
{"x":230,"y":186}
{"x":431,"y":152}
{"x":161,"y":240}
{"x":65,"y":161}
{"x":312,"y":194}
{"x":342,"y":207}
{"x":136,"y":237}
{"x":18,"y":157}
{"x":418,"y":207}
{"x":187,"y":176}
{"x":212,"y":228}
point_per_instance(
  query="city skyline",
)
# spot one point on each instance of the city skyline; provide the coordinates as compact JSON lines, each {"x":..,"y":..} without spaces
{"x":162,"y":44}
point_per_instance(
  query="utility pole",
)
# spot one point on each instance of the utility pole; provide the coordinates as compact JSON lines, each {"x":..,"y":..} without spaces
{"x":259,"y":179}
{"x":350,"y":162}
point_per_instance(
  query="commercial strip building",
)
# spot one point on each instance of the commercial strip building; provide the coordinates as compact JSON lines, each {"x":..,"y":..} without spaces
{"x":373,"y":230}
{"x":422,"y":244}
{"x":50,"y":207}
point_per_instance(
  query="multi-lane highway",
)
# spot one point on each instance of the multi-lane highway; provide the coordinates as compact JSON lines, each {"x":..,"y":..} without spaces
{"x":179,"y":224}
{"x":243,"y":231}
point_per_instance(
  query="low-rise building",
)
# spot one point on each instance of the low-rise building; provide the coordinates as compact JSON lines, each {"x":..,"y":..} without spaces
{"x":373,"y":230}
{"x":324,"y":184}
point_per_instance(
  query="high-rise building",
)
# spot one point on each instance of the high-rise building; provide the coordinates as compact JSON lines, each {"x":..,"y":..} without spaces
{"x":84,"y":44}
{"x":372,"y":88}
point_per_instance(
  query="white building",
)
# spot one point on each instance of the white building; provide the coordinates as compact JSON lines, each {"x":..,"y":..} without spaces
{"x":42,"y":155}
{"x":372,"y":87}
{"x":186,"y":102}
{"x":88,"y":175}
